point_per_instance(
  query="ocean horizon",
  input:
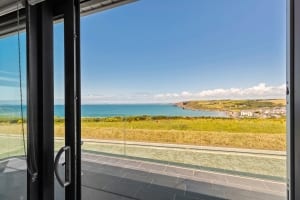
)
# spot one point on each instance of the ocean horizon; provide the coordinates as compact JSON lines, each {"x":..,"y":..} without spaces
{"x":123,"y":110}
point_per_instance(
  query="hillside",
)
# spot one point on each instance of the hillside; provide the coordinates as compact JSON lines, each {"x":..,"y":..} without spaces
{"x":232,"y":105}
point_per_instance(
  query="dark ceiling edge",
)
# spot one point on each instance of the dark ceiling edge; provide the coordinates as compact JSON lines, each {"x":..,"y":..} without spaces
{"x":8,"y":23}
{"x":95,"y":10}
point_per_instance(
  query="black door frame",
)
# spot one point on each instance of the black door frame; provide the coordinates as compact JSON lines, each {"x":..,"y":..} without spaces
{"x":40,"y":101}
{"x":293,"y":99}
{"x":73,"y":94}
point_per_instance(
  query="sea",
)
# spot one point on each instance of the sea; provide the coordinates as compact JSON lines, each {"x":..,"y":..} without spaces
{"x":113,"y":110}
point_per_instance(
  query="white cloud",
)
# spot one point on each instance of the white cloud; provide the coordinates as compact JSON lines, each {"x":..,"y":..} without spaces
{"x":260,"y":91}
{"x":186,"y":94}
{"x":8,"y":79}
{"x":7,"y":72}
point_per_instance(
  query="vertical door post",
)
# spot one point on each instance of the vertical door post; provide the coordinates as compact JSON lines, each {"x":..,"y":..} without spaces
{"x":73,"y":94}
{"x":40,"y":101}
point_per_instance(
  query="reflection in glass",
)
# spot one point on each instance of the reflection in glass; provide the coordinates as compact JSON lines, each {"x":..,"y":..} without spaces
{"x":12,"y":161}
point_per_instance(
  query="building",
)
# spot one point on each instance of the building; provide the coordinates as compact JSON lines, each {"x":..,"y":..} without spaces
{"x":245,"y":113}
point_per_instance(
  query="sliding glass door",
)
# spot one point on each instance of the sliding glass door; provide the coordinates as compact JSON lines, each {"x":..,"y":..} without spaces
{"x":185,"y":100}
{"x":54,"y":131}
{"x":13,"y":136}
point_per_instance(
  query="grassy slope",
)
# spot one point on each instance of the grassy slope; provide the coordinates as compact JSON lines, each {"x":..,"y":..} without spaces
{"x":232,"y":105}
{"x":239,"y":133}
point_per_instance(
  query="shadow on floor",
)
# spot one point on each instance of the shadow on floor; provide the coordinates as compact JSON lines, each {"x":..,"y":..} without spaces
{"x":110,"y":182}
{"x":105,"y":182}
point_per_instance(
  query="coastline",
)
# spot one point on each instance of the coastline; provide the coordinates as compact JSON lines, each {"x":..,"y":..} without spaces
{"x":184,"y":106}
{"x":119,"y":110}
{"x":256,"y":108}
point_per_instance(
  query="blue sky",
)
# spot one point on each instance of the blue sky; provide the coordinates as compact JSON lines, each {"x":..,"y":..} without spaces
{"x":172,"y":50}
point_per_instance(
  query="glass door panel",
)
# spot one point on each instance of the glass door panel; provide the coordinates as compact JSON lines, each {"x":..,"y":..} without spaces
{"x":13,"y":138}
{"x":176,"y":105}
{"x":59,"y":107}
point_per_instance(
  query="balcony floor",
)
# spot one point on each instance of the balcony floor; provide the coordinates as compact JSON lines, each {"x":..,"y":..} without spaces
{"x":112,"y":178}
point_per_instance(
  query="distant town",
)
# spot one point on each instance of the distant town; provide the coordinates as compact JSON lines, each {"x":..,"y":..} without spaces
{"x":276,"y":112}
{"x":259,"y":108}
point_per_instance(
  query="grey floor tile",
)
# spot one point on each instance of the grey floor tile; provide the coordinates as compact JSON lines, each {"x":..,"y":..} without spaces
{"x":276,"y":187}
{"x":152,"y":167}
{"x":16,"y":163}
{"x":235,"y":180}
{"x":179,"y":171}
{"x":91,"y":194}
{"x":125,"y":187}
{"x":156,"y":192}
{"x":184,"y":197}
{"x":210,"y":176}
{"x":105,"y":182}
{"x":111,"y":170}
{"x":143,"y":177}
{"x":192,"y":196}
{"x":98,"y":181}
{"x":132,"y":163}
{"x":163,"y":180}
{"x":89,"y":157}
{"x":238,"y":194}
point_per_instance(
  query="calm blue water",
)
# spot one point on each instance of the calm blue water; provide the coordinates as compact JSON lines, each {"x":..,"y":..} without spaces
{"x":120,"y":110}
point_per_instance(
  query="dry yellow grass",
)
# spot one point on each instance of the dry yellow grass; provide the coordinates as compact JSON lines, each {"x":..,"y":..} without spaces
{"x":236,"y":133}
{"x":220,"y":139}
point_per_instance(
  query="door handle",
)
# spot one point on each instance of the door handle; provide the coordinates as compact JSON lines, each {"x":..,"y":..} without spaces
{"x":67,"y":163}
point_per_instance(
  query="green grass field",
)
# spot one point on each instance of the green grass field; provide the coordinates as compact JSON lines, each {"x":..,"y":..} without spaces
{"x":266,"y":134}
